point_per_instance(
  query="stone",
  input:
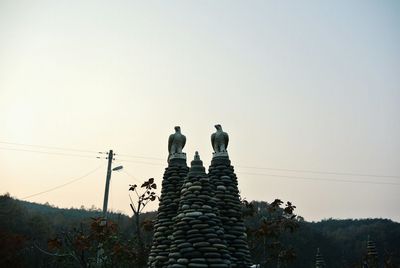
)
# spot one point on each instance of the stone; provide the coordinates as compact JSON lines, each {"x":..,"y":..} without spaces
{"x":183,"y":261}
{"x":176,"y":142}
{"x":229,"y":206}
{"x":201,"y":223}
{"x":194,"y":214}
{"x":219,"y":141}
{"x":163,"y":228}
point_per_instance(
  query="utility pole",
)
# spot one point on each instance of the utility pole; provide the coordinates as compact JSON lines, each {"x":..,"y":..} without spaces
{"x":108,"y":178}
{"x":100,"y":250}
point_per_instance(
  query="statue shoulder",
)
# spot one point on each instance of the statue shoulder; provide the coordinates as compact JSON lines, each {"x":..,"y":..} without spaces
{"x":226,"y":136}
{"x":171,"y":137}
{"x":183,"y":140}
{"x":170,"y":140}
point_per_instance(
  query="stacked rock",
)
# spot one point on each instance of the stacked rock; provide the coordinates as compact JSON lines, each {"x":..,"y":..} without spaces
{"x":224,"y":179}
{"x":319,"y":260}
{"x":372,"y":254}
{"x":170,"y":194}
{"x":198,"y":237}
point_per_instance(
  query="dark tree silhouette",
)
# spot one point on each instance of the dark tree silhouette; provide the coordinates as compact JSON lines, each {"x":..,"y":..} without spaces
{"x":266,"y":225}
{"x":145,"y":196}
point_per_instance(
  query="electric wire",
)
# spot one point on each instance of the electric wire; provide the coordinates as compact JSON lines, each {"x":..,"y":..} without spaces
{"x":130,"y":175}
{"x":141,"y":157}
{"x":65,"y":184}
{"x":141,"y":162}
{"x":290,"y":176}
{"x":322,"y":172}
{"x":47,"y":147}
{"x":152,"y":159}
{"x":47,"y":152}
{"x":319,"y":179}
{"x":277,"y":169}
{"x":161,"y":159}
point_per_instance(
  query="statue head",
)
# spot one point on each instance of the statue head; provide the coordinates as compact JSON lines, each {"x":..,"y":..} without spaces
{"x":177,"y":129}
{"x":218,"y":127}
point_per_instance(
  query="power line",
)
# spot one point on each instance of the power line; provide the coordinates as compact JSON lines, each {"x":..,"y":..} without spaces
{"x":322,"y":172}
{"x":281,"y":169}
{"x":270,"y":168}
{"x":47,"y":147}
{"x":130,"y":175}
{"x":46,"y":152}
{"x":290,"y":177}
{"x":65,"y":184}
{"x":319,"y":179}
{"x":141,"y":157}
{"x":140,"y":162}
{"x":295,"y":177}
{"x":161,"y":159}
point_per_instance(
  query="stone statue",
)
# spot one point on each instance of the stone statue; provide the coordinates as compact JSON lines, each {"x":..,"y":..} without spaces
{"x":176,"y":142}
{"x":219,"y":140}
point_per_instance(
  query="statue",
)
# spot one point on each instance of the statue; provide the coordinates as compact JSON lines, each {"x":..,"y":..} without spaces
{"x":219,"y":141}
{"x":176,"y":142}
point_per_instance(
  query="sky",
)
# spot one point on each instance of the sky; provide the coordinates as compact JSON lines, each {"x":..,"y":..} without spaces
{"x":308,"y":91}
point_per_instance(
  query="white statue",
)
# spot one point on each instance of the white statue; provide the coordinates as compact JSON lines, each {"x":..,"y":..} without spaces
{"x":176,"y":142}
{"x":219,"y":140}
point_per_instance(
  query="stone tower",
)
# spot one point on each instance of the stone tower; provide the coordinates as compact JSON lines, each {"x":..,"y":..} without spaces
{"x":224,"y":180}
{"x":198,"y":237}
{"x":319,"y":260}
{"x":372,"y":254}
{"x":170,"y":193}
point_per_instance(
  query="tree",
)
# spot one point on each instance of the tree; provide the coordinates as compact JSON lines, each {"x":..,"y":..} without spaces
{"x":267,"y":224}
{"x":11,"y":247}
{"x":143,"y":198}
{"x":101,"y":246}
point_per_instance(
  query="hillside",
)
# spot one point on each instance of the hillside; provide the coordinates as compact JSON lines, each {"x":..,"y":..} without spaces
{"x":25,"y":225}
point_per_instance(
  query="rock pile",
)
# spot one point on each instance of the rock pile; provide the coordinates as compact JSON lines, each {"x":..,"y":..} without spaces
{"x":319,"y":260}
{"x":372,"y":254}
{"x":224,"y":181}
{"x":170,"y":194}
{"x":199,"y":222}
{"x":198,"y":236}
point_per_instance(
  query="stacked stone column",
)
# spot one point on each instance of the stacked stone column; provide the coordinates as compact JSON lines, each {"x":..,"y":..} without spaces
{"x":372,"y":254}
{"x":223,"y":178}
{"x":198,"y":236}
{"x":170,"y":194}
{"x":319,"y":260}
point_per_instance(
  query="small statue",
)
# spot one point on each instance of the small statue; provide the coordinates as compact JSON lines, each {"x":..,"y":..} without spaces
{"x":176,"y":142}
{"x":219,"y":140}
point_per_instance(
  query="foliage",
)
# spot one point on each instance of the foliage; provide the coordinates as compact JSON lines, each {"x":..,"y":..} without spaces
{"x":100,"y":246}
{"x":266,"y":225}
{"x":143,"y":198}
{"x":39,"y":224}
{"x":11,"y":247}
{"x":146,"y":196}
{"x":342,"y":242}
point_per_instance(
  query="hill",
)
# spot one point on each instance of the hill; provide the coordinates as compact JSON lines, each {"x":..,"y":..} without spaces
{"x":24,"y":226}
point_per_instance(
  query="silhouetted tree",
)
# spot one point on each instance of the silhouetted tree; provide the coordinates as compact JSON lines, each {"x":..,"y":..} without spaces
{"x":145,"y":196}
{"x":266,"y":225}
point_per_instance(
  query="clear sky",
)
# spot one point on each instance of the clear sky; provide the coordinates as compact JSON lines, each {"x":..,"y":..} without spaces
{"x":298,"y":85}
